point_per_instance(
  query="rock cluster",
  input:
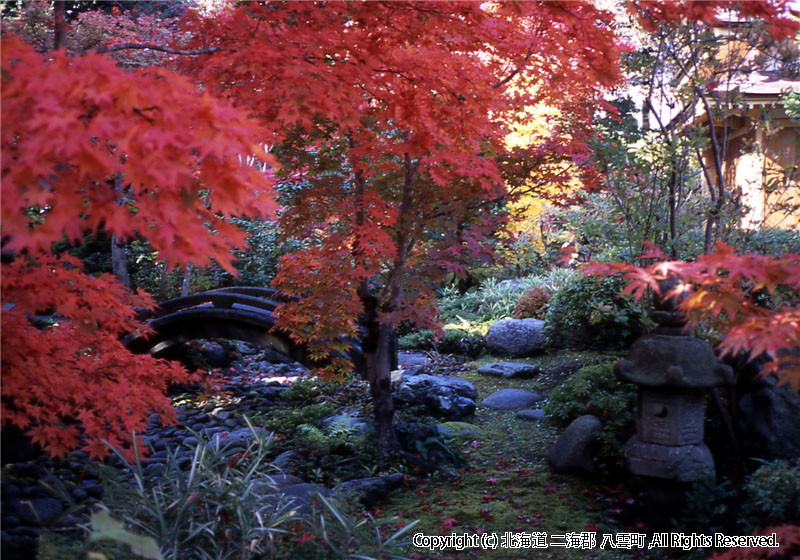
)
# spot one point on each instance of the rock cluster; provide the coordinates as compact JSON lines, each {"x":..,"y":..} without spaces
{"x":28,"y":505}
{"x":443,"y":396}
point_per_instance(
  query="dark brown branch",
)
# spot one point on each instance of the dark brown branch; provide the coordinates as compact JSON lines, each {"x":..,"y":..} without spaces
{"x":516,"y":71}
{"x":124,"y":46}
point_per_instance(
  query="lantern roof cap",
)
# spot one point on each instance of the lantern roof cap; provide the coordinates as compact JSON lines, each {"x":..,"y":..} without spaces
{"x":673,"y":361}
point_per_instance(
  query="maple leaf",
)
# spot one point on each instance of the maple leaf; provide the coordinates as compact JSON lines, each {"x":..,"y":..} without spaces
{"x":449,"y":523}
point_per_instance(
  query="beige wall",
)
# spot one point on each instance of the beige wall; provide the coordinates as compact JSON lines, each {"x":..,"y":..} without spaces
{"x":762,"y":162}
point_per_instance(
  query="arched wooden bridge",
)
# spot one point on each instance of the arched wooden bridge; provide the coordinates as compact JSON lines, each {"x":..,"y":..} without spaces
{"x":238,"y":313}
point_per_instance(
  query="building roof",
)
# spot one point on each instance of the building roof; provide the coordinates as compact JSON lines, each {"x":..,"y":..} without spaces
{"x":756,"y":84}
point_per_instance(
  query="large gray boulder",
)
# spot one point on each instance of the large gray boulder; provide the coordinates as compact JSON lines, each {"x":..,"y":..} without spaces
{"x":511,"y":399}
{"x":769,"y":420}
{"x":515,"y":338}
{"x":509,"y":370}
{"x":271,"y":484}
{"x":572,"y":452}
{"x":369,"y":490}
{"x":303,"y":497}
{"x":214,"y":354}
{"x":286,"y":489}
{"x":444,"y":396}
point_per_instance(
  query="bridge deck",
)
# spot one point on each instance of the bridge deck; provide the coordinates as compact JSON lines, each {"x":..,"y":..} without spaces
{"x":237,"y":313}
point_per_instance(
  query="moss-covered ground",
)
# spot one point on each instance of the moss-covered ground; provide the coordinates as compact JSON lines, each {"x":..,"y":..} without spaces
{"x":508,"y":487}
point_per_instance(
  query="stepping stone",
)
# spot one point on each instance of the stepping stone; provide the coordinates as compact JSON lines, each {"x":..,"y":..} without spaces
{"x":531,"y":414}
{"x":510,"y":399}
{"x":508,"y":370}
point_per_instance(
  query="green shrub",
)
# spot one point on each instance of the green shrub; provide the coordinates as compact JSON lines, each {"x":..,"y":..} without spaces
{"x":706,"y":507}
{"x":585,"y":314}
{"x":287,"y":420}
{"x":533,"y":304}
{"x":595,"y":390}
{"x":314,"y":389}
{"x":768,"y":241}
{"x":489,"y":302}
{"x":257,"y":264}
{"x":493,"y":300}
{"x":422,"y":339}
{"x":773,"y":494}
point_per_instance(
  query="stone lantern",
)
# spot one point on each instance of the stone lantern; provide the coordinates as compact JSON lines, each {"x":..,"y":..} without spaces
{"x":672,"y":370}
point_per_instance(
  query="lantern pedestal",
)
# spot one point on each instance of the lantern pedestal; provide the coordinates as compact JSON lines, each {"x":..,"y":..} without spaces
{"x":683,"y":464}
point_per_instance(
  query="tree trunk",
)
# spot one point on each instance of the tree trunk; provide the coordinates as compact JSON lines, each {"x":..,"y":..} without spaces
{"x":377,"y":348}
{"x":187,"y":276}
{"x":119,"y":263}
{"x":60,"y":28}
{"x":163,"y":281}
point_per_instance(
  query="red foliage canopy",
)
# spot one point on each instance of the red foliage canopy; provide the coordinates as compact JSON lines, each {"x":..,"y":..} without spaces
{"x":70,"y":124}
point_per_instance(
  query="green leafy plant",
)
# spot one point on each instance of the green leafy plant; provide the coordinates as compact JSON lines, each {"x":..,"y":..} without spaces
{"x":706,"y":506}
{"x":466,"y":317}
{"x":595,"y":390}
{"x":104,"y":527}
{"x":436,"y":449}
{"x":773,"y":494}
{"x":330,"y":533}
{"x":465,"y":340}
{"x":213,"y":508}
{"x":287,"y":420}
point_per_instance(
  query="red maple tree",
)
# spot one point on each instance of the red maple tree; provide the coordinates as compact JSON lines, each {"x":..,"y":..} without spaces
{"x":387,"y":118}
{"x":70,"y":125}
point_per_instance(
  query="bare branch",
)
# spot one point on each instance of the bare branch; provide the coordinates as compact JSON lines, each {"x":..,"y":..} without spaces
{"x":516,"y":71}
{"x":125,"y":46}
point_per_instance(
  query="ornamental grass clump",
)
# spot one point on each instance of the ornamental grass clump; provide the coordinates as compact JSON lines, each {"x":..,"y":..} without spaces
{"x":224,"y":503}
